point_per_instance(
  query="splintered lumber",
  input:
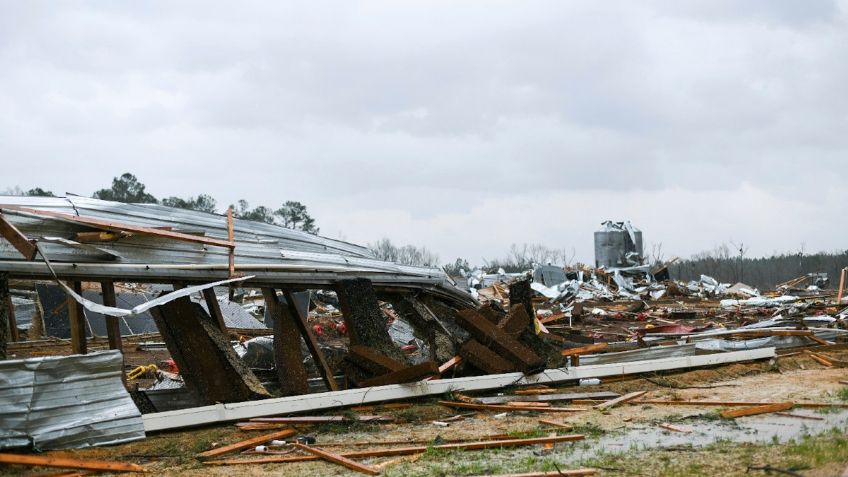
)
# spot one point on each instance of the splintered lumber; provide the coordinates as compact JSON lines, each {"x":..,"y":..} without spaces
{"x":411,"y":450}
{"x":672,"y":427}
{"x":218,"y":413}
{"x":798,"y":416}
{"x":338,"y":459}
{"x":620,"y":399}
{"x":405,"y":375}
{"x":545,"y":397}
{"x":754,"y":410}
{"x":819,"y":358}
{"x":497,"y":407}
{"x":807,"y":405}
{"x":561,"y":425}
{"x":321,"y":419}
{"x":500,"y":341}
{"x":253,"y":441}
{"x":450,"y":364}
{"x":65,"y":463}
{"x":552,"y":473}
{"x":584,"y":349}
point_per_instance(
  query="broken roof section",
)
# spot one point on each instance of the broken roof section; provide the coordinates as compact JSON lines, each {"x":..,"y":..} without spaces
{"x":90,"y":239}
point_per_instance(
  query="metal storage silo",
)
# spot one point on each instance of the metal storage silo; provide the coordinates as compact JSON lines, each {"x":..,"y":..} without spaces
{"x":618,"y":244}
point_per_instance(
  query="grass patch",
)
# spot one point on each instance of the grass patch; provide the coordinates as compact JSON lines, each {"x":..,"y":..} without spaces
{"x":842,"y":394}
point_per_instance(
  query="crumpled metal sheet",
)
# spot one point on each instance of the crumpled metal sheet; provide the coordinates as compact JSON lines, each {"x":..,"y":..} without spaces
{"x":66,"y":402}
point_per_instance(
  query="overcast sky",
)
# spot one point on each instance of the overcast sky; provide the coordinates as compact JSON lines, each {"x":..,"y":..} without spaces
{"x":461,"y":126}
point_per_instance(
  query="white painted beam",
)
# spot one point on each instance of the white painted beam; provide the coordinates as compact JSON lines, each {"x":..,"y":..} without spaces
{"x":352,"y":397}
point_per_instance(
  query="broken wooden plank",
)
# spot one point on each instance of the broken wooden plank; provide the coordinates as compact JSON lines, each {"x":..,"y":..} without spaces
{"x":819,"y":358}
{"x":551,"y":473}
{"x":498,"y":407}
{"x":119,"y":227}
{"x":799,"y":416}
{"x":755,"y":410}
{"x":620,"y":400}
{"x":405,"y":375}
{"x":247,"y":443}
{"x":322,"y":419}
{"x":671,"y":427}
{"x":18,"y":240}
{"x":561,"y":425}
{"x":412,"y":450}
{"x":500,"y":341}
{"x":584,"y":349}
{"x":546,"y":397}
{"x":449,"y":364}
{"x":807,"y":405}
{"x":363,"y":396}
{"x":300,"y":315}
{"x":66,"y":463}
{"x":338,"y":459}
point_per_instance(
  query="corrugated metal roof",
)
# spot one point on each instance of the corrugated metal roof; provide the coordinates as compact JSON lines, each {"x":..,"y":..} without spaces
{"x":66,"y":402}
{"x":276,"y":255}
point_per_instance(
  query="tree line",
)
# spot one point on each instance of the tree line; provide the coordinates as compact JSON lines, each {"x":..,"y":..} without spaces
{"x":128,"y":189}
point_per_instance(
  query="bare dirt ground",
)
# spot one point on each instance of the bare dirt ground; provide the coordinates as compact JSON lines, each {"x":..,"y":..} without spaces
{"x":625,"y":440}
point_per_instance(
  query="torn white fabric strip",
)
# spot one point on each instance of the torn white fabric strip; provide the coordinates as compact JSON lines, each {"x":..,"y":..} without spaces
{"x":121,"y":312}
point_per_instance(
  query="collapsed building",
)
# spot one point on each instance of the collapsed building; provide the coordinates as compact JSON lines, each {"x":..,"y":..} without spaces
{"x":256,"y":320}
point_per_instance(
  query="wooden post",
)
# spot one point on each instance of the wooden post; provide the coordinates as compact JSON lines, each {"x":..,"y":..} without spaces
{"x":4,"y":313}
{"x":215,"y":309}
{"x":113,"y":327}
{"x":13,"y":321}
{"x":208,"y":364}
{"x":76,"y":315}
{"x":841,"y":286}
{"x":300,"y":314}
{"x":287,"y":353}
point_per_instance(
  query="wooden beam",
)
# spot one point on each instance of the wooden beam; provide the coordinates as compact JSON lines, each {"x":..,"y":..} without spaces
{"x":841,"y":285}
{"x":119,"y":227}
{"x":247,"y":443}
{"x":5,"y":312}
{"x":76,"y":315}
{"x":113,"y":327}
{"x":321,"y":419}
{"x":498,"y":407}
{"x":413,"y":450}
{"x":372,"y":361}
{"x":338,"y":459}
{"x":361,"y":396}
{"x":754,"y":410}
{"x":17,"y":239}
{"x":620,"y":400}
{"x":450,"y":364}
{"x":300,"y":319}
{"x":584,"y":349}
{"x":215,"y":308}
{"x":65,"y":463}
{"x":806,"y":405}
{"x":287,"y":354}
